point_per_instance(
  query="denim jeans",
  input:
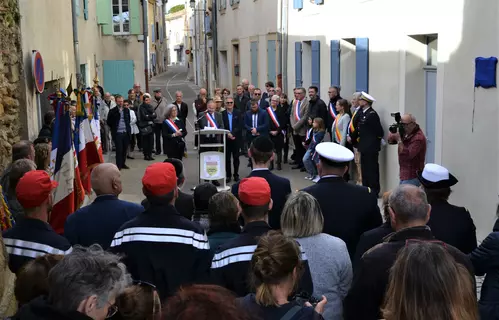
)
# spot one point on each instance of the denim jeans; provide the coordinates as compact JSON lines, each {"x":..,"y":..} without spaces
{"x":414,"y":182}
{"x":309,"y":163}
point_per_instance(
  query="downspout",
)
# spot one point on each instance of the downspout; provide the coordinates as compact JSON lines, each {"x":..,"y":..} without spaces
{"x":279,"y":41}
{"x":206,"y":58}
{"x":76,"y":44}
{"x":146,"y":42}
{"x":164,"y":46}
{"x":284,"y":56}
{"x":215,"y":43}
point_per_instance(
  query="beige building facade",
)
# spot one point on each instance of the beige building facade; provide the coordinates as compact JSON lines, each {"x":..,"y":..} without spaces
{"x":414,"y":57}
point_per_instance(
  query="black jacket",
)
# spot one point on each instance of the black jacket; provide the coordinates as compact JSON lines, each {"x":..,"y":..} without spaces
{"x":40,"y":309}
{"x":237,"y":123}
{"x":31,"y":238}
{"x":282,"y":119}
{"x":45,"y":132}
{"x":264,"y":104}
{"x":318,"y":109}
{"x":332,"y":104}
{"x":371,"y":276}
{"x":371,"y":238}
{"x":146,"y":115}
{"x":230,"y":267}
{"x":184,"y":204}
{"x":461,"y":233}
{"x":183,"y":111}
{"x":485,"y":260}
{"x":241,"y":102}
{"x":348,"y":210}
{"x":164,"y":248}
{"x":113,"y":119}
{"x":369,"y":131}
{"x":280,"y":189}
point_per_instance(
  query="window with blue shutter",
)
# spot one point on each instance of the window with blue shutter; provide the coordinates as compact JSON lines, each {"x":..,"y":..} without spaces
{"x":153,"y":34}
{"x":316,"y":63}
{"x":335,"y":63}
{"x":254,"y":63}
{"x":362,"y":64}
{"x":271,"y":60}
{"x":85,"y":9}
{"x":297,"y":4}
{"x":298,"y":65}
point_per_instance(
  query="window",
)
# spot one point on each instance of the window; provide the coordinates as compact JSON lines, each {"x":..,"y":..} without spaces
{"x":121,"y":17}
{"x":222,"y":5}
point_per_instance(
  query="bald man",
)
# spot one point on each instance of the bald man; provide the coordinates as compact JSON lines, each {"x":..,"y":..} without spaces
{"x":99,"y":221}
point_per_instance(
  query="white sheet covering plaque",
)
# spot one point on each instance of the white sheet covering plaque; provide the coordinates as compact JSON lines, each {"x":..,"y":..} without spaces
{"x":212,"y":165}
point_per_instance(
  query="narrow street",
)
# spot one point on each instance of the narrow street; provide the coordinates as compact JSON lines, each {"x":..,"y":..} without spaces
{"x":170,"y":82}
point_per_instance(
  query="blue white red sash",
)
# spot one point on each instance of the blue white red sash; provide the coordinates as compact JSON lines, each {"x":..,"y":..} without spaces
{"x":297,"y":110}
{"x":313,"y":139}
{"x":273,"y":116}
{"x":172,"y":125}
{"x":211,"y":120}
{"x":332,"y":111}
{"x":308,"y":134}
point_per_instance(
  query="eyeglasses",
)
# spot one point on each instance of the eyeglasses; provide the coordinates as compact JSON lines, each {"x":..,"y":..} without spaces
{"x":229,"y":102}
{"x":111,"y":311}
{"x":257,"y":94}
{"x":406,"y":124}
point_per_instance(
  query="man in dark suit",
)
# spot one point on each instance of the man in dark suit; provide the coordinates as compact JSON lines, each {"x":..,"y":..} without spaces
{"x":269,"y":86}
{"x":182,"y":107}
{"x":318,"y":108}
{"x":233,"y":121}
{"x":241,"y":100}
{"x":334,"y":96}
{"x":211,"y":120}
{"x":257,"y":95}
{"x":261,"y":153}
{"x":348,"y":210}
{"x":369,"y":133}
{"x":200,"y":105}
{"x":118,"y":121}
{"x":256,"y":123}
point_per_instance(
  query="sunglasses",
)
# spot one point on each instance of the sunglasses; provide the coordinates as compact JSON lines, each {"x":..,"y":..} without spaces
{"x":257,"y":94}
{"x":229,"y":102}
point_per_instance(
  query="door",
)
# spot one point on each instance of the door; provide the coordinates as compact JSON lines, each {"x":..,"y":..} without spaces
{"x":118,"y":76}
{"x":254,"y":63}
{"x":431,"y":109}
{"x":271,"y":60}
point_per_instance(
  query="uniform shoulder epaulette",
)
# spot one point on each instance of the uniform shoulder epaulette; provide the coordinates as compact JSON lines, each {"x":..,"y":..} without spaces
{"x":368,"y":189}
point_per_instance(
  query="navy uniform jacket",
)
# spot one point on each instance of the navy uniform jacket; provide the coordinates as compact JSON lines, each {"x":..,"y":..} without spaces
{"x":237,"y":123}
{"x":348,"y":210}
{"x":230,"y":267}
{"x":262,"y":123}
{"x":280,"y":189}
{"x":164,"y":248}
{"x":369,"y":131}
{"x":99,"y":221}
{"x":32,"y":238}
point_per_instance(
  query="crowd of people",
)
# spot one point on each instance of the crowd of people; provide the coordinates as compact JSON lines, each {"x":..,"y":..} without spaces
{"x":260,"y":250}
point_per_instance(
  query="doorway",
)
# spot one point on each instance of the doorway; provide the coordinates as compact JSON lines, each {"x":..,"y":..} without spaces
{"x":431,"y":109}
{"x":223,"y":70}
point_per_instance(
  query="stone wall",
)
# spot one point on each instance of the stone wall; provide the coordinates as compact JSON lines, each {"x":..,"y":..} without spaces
{"x":10,"y":82}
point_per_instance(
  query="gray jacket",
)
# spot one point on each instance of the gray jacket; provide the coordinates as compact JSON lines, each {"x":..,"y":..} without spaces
{"x":159,"y":108}
{"x":331,"y":271}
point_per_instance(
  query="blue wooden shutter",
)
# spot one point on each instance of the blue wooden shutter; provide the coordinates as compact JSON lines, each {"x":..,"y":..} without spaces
{"x":254,"y":63}
{"x":362,"y":64}
{"x":335,"y":63}
{"x":319,"y":1}
{"x":297,"y":4}
{"x":271,"y":60}
{"x":135,"y":19}
{"x":118,"y":76}
{"x":316,"y":63}
{"x":85,"y":9}
{"x":153,"y":34}
{"x":77,"y":7}
{"x":298,"y":64}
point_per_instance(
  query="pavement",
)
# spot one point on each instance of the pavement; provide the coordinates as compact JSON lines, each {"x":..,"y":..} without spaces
{"x":171,"y":81}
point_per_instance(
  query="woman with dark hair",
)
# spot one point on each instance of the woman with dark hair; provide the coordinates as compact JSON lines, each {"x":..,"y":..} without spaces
{"x":450,"y":224}
{"x":48,"y":125}
{"x":223,"y":212}
{"x":203,"y":302}
{"x":42,"y":155}
{"x":139,"y":302}
{"x":286,"y":108}
{"x":173,"y":133}
{"x":145,"y":123}
{"x":276,"y":268}
{"x":427,"y":283}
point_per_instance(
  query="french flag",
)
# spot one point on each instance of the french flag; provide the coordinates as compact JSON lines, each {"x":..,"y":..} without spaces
{"x":63,"y":168}
{"x":95,"y":125}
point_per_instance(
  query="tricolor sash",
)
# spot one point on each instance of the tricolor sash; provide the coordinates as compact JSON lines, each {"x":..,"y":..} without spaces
{"x":313,"y":139}
{"x":297,"y":111}
{"x":332,"y":111}
{"x":172,"y":125}
{"x":351,"y":127}
{"x":211,"y":120}
{"x":273,"y":116}
{"x":308,"y":134}
{"x":337,"y":132}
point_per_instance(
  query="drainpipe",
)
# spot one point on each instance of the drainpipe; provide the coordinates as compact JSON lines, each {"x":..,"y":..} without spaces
{"x":146,"y":42}
{"x":215,"y":42}
{"x":76,"y":44}
{"x":165,"y":45}
{"x":284,"y":50}
{"x":206,"y":57}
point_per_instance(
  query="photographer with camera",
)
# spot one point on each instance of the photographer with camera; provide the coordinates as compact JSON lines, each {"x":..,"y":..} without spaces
{"x":411,"y":141}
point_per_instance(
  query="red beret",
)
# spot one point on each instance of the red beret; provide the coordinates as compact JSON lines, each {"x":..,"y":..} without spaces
{"x":254,"y":191}
{"x":34,"y":188}
{"x":160,"y":178}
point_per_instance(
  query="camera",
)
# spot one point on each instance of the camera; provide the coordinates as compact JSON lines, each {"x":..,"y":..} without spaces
{"x":397,"y":126}
{"x":303,"y":297}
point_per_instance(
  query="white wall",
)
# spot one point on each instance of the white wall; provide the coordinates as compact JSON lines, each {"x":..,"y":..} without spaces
{"x":175,"y":26}
{"x":466,"y":29}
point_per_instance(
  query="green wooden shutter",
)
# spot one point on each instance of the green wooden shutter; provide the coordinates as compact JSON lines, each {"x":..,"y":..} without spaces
{"x":134,"y":7}
{"x":105,"y":16}
{"x":85,"y":9}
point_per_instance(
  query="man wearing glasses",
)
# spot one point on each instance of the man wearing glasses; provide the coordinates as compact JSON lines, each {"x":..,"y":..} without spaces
{"x":262,"y":103}
{"x":411,"y":149}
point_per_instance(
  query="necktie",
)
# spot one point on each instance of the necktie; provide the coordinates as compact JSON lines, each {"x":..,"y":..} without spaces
{"x":230,"y":121}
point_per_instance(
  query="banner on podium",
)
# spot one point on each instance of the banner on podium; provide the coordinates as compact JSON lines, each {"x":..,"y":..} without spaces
{"x":212,"y":165}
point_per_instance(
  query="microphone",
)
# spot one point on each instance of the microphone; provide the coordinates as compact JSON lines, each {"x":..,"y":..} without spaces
{"x":202,"y":116}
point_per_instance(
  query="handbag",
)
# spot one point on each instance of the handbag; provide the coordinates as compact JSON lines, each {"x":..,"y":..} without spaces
{"x":145,"y":130}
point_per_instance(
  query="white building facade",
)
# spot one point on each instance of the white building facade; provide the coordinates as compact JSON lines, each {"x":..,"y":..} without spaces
{"x":414,"y":57}
{"x":176,"y":29}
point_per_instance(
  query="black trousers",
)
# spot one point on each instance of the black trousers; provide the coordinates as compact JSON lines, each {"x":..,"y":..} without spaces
{"x":370,"y":171}
{"x":121,"y":141}
{"x":147,"y":144}
{"x":172,"y":149}
{"x":232,"y":150}
{"x":299,"y":148}
{"x":158,"y":133}
{"x":278,"y":146}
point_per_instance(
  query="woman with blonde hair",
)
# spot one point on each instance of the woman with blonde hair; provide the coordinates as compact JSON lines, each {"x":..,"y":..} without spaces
{"x":427,"y":283}
{"x":332,"y":272}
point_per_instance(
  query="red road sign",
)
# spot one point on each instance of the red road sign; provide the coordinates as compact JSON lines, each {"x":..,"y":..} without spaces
{"x":187,"y":51}
{"x":38,"y":71}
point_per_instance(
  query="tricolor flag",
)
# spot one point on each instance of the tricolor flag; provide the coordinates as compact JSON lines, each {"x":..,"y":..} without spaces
{"x":95,"y":126}
{"x":63,"y":169}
